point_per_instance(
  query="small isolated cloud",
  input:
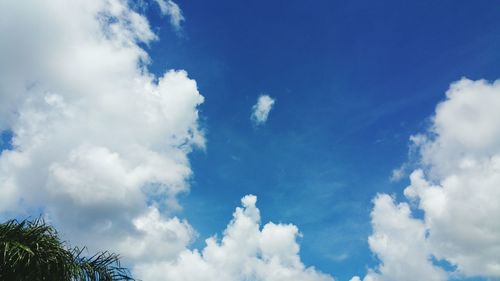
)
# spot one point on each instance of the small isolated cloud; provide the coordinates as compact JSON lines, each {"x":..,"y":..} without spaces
{"x":456,"y":186}
{"x":173,"y":11}
{"x":260,"y":111}
{"x":398,"y":174}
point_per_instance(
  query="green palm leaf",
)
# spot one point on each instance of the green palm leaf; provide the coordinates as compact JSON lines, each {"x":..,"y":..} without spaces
{"x":31,"y":250}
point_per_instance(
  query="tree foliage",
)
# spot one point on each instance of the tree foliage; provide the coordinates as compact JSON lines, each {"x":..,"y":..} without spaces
{"x":32,"y":250}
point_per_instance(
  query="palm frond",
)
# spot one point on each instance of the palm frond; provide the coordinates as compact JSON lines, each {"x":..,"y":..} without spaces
{"x":31,"y":250}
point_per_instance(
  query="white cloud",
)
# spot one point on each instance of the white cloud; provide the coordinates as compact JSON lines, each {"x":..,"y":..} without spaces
{"x":456,"y":187}
{"x":101,"y":145}
{"x":172,"y":10}
{"x":260,"y":111}
{"x":99,"y":142}
{"x":398,"y":174}
{"x":158,"y":239}
{"x":245,"y":252}
{"x":465,"y":127}
{"x":399,"y":242}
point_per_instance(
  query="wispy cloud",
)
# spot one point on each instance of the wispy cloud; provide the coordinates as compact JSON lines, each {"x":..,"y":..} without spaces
{"x":398,"y":173}
{"x":173,"y":11}
{"x":260,"y":111}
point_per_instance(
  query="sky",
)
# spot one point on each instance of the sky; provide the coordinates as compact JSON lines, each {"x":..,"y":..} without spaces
{"x":258,"y":140}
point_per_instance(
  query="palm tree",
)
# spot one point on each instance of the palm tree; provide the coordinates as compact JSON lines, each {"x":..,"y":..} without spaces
{"x":32,"y":251}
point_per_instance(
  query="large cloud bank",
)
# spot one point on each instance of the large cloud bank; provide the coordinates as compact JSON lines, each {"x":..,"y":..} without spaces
{"x":95,"y":134}
{"x":100,"y":145}
{"x":457,"y":187}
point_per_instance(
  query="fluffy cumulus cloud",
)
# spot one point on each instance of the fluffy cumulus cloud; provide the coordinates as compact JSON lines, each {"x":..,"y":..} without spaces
{"x":245,"y":252}
{"x":457,"y":187}
{"x":100,"y":145}
{"x":400,"y":243}
{"x":260,"y":111}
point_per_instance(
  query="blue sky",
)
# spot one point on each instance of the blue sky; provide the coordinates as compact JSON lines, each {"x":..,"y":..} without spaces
{"x":352,"y":82}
